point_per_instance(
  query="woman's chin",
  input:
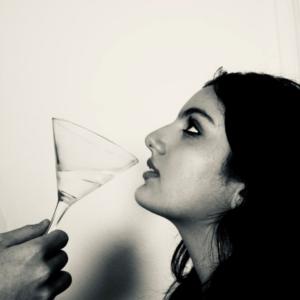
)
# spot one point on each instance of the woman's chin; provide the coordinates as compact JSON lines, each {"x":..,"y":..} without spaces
{"x":149,"y":202}
{"x":141,"y":196}
{"x":145,"y":199}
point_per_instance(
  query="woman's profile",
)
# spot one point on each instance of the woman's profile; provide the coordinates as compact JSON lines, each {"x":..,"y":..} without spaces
{"x":222,"y":173}
{"x":225,"y":173}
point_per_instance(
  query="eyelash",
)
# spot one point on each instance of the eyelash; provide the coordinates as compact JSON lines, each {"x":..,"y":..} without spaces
{"x":192,"y":123}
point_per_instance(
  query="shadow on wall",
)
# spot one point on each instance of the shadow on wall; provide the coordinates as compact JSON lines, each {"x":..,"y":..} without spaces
{"x":115,"y":275}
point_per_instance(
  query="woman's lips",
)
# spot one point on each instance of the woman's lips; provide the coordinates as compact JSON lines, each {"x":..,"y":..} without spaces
{"x":153,"y":173}
{"x":150,"y":174}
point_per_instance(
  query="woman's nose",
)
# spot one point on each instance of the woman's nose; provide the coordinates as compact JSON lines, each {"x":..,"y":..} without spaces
{"x":155,"y":142}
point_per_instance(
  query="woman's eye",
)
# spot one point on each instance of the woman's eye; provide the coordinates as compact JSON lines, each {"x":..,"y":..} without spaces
{"x":192,"y":129}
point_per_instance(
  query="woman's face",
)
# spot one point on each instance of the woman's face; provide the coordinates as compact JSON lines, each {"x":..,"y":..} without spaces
{"x":189,"y":155}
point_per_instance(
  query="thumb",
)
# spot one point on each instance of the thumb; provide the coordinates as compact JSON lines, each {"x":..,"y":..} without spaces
{"x":24,"y":234}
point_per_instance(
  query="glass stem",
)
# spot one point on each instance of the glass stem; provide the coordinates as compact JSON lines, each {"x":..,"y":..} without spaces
{"x":60,"y":210}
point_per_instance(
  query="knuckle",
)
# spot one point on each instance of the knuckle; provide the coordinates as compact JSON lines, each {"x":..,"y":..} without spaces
{"x":62,"y":235}
{"x":37,"y":247}
{"x":44,"y":294}
{"x":29,"y":252}
{"x":43,"y":272}
{"x":65,"y":257}
{"x":61,"y":260}
{"x":3,"y":241}
{"x":66,"y":279}
{"x":30,"y":228}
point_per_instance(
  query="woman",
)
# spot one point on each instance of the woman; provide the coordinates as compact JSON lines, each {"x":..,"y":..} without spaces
{"x":222,"y":174}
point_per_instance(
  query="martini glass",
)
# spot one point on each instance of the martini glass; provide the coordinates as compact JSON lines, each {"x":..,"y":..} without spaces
{"x":85,"y":161}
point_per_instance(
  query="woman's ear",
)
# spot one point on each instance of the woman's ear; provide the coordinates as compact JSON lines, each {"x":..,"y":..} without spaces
{"x":237,"y":197}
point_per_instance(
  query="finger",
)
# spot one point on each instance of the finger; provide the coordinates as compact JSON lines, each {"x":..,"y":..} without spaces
{"x":53,"y":241}
{"x":24,"y":234}
{"x":58,"y":283}
{"x":58,"y":261}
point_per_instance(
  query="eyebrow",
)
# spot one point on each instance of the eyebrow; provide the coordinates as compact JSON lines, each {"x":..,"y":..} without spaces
{"x":196,"y":110}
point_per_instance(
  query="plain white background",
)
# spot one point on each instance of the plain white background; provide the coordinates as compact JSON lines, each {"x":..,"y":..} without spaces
{"x":123,"y":69}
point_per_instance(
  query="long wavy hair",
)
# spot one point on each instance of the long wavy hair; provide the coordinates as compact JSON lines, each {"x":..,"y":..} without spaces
{"x":255,"y":240}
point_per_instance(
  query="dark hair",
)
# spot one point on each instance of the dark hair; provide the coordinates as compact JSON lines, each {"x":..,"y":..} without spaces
{"x":255,"y":239}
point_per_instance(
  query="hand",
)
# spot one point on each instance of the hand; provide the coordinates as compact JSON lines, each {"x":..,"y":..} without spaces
{"x":31,"y":263}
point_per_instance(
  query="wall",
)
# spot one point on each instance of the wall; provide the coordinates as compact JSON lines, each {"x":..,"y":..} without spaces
{"x":121,"y":68}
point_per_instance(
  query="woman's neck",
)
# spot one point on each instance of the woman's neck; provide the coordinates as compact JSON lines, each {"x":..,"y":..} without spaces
{"x":201,"y":245}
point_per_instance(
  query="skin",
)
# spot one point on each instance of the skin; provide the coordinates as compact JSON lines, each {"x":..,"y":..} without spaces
{"x":191,"y":190}
{"x":31,"y":263}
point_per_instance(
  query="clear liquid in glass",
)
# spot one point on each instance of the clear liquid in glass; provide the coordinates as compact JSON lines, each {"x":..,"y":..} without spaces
{"x":85,"y":161}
